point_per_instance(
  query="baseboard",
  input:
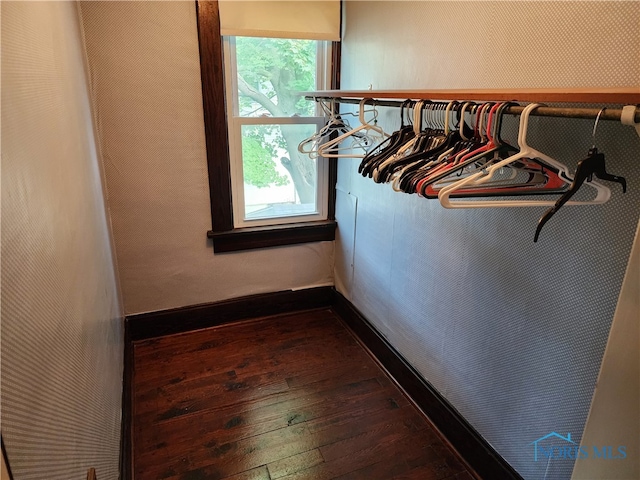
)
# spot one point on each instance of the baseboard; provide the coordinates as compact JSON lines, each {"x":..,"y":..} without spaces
{"x":185,"y":319}
{"x":463,"y":437}
{"x":126,"y":438}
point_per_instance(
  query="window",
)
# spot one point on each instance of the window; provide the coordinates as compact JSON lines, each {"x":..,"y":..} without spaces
{"x":272,"y":182}
{"x":262,"y":194}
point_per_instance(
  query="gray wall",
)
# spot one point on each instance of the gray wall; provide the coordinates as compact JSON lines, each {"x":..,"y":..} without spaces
{"x":512,"y":333}
{"x":62,"y":339}
{"x":145,"y":77}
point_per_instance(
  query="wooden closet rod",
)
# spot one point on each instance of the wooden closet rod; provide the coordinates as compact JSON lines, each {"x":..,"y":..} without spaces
{"x":587,"y":113}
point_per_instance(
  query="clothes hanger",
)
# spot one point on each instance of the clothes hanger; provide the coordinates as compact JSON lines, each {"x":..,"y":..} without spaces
{"x":478,"y":156}
{"x":379,"y":172}
{"x":335,"y":125}
{"x":489,"y":144}
{"x":437,"y":158}
{"x":364,"y":137}
{"x":440,"y":143}
{"x":593,"y":164}
{"x":389,"y":146}
{"x":526,"y":154}
{"x":462,"y":122}
{"x":469,"y":151}
{"x":538,"y":179}
{"x":430,"y":189}
{"x":534,"y":179}
{"x":397,"y":174}
{"x":435,"y":134}
{"x":446,"y":168}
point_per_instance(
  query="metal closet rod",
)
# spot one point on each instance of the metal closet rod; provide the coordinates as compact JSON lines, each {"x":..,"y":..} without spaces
{"x":564,"y":112}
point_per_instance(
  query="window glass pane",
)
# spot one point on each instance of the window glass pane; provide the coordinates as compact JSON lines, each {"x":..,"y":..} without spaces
{"x":271,"y":73}
{"x":278,"y":180}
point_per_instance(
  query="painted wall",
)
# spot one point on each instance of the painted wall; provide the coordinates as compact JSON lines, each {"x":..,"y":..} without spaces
{"x":512,"y":333}
{"x":62,"y":340}
{"x":145,"y":77}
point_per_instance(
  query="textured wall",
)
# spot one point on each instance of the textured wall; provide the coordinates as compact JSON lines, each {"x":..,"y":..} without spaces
{"x":61,"y":321}
{"x":145,"y":75}
{"x":512,"y":333}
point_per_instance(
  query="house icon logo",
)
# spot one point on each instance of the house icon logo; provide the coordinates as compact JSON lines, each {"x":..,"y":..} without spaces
{"x":537,"y":443}
{"x":554,"y":446}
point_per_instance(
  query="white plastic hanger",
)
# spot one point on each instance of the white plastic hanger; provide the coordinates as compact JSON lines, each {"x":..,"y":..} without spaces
{"x":364,"y":137}
{"x":464,"y":109}
{"x":335,"y":123}
{"x":486,"y":174}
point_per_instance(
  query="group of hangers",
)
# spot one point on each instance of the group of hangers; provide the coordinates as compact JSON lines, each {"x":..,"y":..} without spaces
{"x":337,"y":139}
{"x":438,"y":156}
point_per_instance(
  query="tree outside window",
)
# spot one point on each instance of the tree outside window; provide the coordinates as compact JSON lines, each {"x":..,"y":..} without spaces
{"x":271,"y":73}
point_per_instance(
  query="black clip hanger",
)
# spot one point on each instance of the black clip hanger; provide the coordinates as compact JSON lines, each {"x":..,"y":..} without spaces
{"x":594,"y":164}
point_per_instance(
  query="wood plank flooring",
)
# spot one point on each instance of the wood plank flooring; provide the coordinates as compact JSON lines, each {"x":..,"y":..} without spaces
{"x":287,"y":397}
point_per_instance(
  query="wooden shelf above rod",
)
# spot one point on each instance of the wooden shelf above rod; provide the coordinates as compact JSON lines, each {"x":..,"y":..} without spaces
{"x":617,"y":96}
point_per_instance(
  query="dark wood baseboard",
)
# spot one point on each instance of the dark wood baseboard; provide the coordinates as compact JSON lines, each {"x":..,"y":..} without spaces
{"x":475,"y":450}
{"x":126,"y":439}
{"x":184,"y":319}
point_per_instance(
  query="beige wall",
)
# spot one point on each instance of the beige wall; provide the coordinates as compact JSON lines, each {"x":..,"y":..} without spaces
{"x":614,"y":418}
{"x":145,"y":75}
{"x":62,"y":341}
{"x":498,"y":44}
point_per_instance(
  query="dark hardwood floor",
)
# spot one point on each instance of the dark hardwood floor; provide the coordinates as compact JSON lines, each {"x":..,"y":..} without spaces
{"x":287,"y":397}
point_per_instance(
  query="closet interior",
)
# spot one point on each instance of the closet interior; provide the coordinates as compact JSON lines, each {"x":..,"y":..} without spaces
{"x":479,"y":259}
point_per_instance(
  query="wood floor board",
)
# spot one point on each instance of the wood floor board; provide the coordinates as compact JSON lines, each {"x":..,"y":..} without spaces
{"x":378,"y":438}
{"x":257,"y":416}
{"x":228,"y":451}
{"x":295,"y":463}
{"x":184,"y":343}
{"x":280,"y":364}
{"x":229,"y":424}
{"x":376,"y":460}
{"x":260,"y":473}
{"x":398,"y":464}
{"x":287,"y":397}
{"x":178,"y":366}
{"x":254,"y":392}
{"x":433,"y":471}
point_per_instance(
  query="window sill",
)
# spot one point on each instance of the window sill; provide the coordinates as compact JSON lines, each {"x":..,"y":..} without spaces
{"x":272,"y":236}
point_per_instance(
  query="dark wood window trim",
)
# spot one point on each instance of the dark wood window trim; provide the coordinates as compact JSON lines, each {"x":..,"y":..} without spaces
{"x":226,"y":238}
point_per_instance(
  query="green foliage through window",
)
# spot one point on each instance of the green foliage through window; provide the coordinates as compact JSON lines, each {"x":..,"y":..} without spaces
{"x":258,"y":159}
{"x":275,"y":70}
{"x":271,"y":74}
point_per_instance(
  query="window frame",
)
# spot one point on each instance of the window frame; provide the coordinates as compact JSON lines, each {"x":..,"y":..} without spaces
{"x":225,"y":237}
